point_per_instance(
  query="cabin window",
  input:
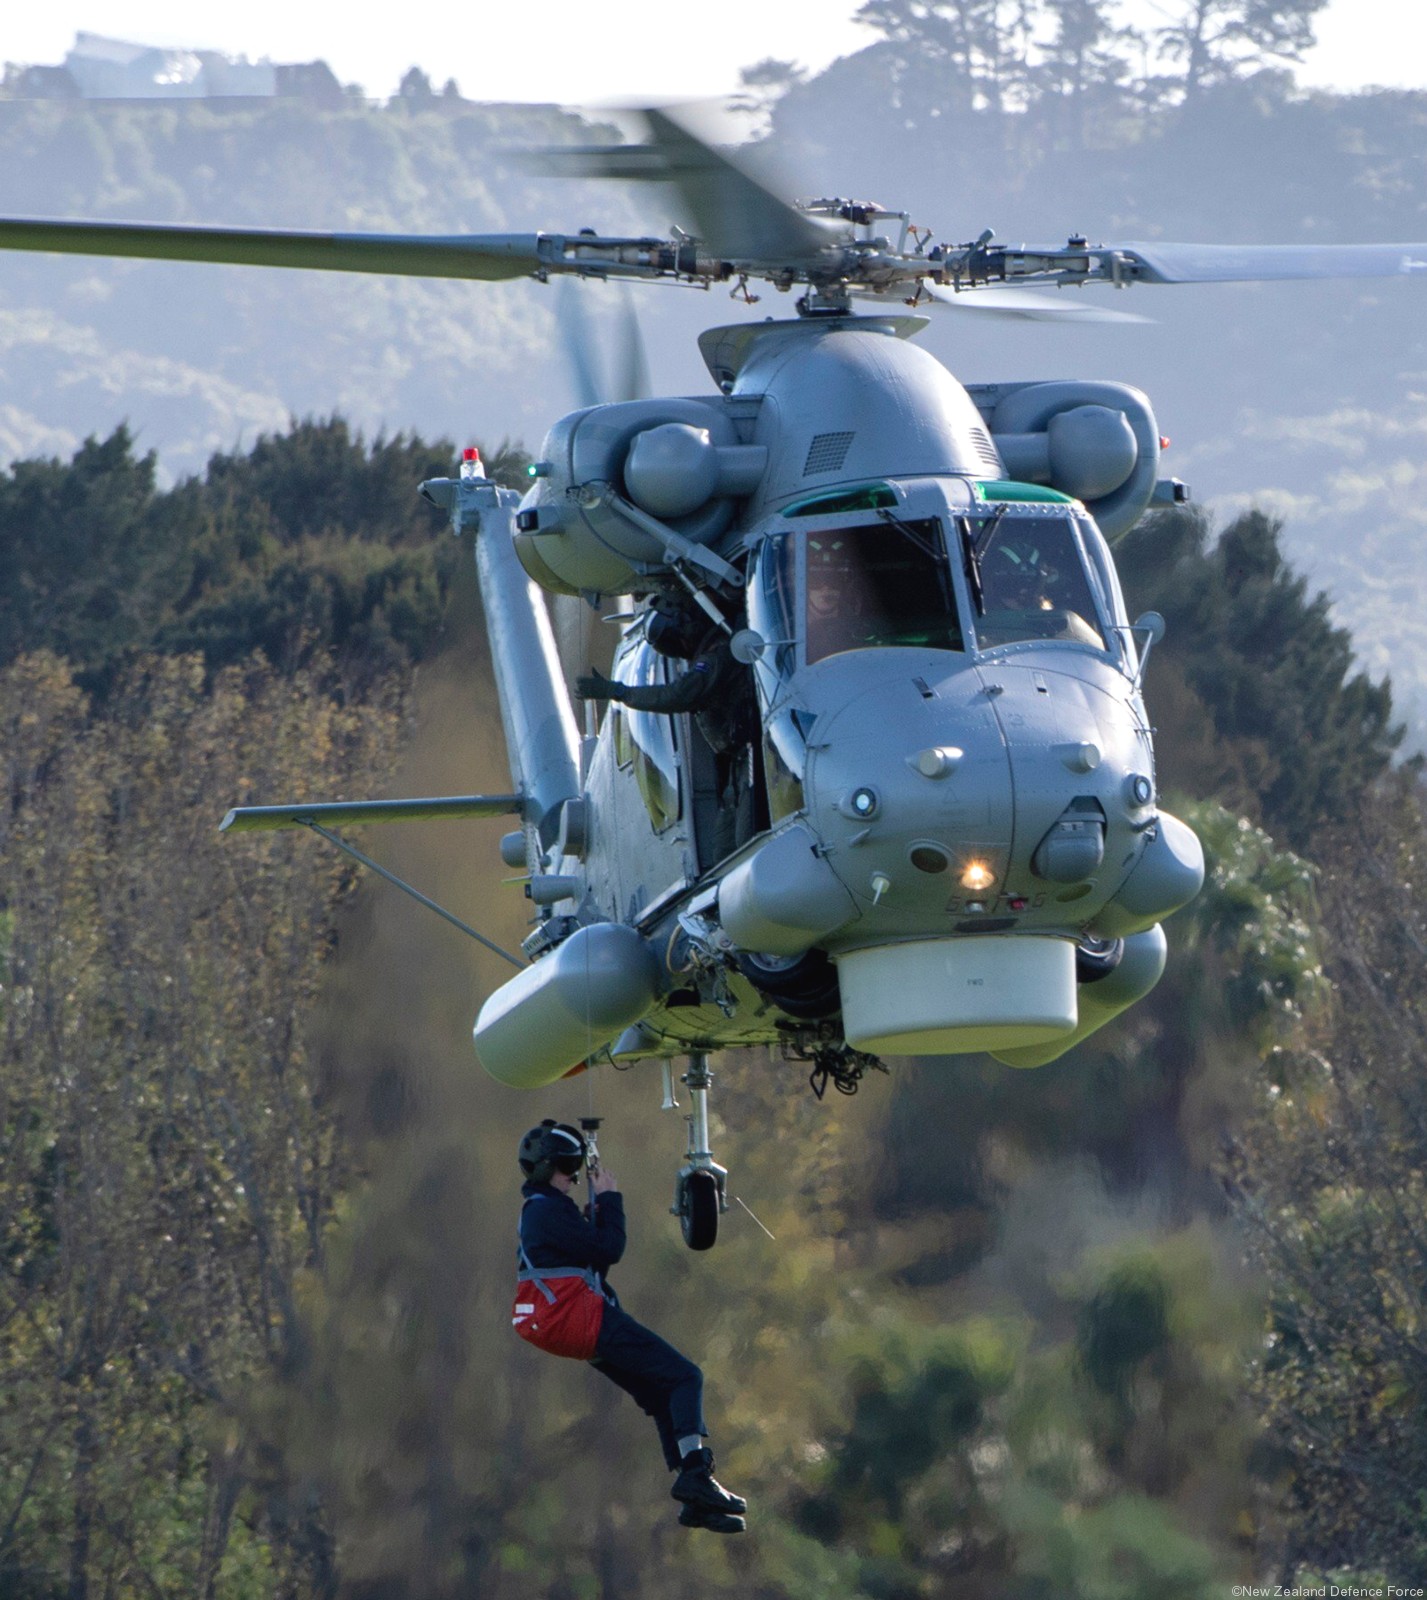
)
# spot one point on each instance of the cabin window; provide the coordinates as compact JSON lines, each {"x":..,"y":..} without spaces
{"x":623,"y":744}
{"x":881,"y":584}
{"x":650,"y":738}
{"x":1028,"y":579}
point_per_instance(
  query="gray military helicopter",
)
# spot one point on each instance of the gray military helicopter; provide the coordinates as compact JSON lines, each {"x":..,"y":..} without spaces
{"x":876,"y":776}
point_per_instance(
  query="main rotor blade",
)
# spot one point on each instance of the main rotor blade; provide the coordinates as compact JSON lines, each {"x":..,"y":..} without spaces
{"x":1025,"y":305}
{"x":1020,"y":305}
{"x":631,"y":380}
{"x":578,"y":338}
{"x":602,"y":376}
{"x":488,"y":256}
{"x":735,"y":216}
{"x":1268,"y":263}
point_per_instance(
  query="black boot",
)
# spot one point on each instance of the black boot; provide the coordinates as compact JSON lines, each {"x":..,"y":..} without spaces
{"x":714,"y":1521}
{"x":697,"y":1487}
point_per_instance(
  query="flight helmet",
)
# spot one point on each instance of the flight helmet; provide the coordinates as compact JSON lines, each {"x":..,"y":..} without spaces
{"x":552,"y":1147}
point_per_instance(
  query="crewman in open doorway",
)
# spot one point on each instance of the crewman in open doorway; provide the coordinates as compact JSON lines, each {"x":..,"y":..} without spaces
{"x":714,"y":688}
{"x":563,"y":1305}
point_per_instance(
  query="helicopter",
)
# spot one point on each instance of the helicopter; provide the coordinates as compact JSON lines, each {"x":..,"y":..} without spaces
{"x":910,"y":805}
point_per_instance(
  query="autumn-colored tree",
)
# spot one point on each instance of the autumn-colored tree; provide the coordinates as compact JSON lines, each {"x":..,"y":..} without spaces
{"x":1329,"y":1179}
{"x":169,"y":1160}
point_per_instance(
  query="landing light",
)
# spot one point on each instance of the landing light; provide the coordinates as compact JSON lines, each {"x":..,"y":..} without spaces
{"x":976,"y":876}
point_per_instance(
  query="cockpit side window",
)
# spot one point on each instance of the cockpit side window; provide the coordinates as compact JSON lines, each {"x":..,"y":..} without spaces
{"x":772,"y":603}
{"x":881,"y":584}
{"x":1032,"y":582}
{"x":1107,"y":584}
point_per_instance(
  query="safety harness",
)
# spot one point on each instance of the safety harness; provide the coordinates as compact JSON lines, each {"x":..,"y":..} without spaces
{"x":569,"y":1322}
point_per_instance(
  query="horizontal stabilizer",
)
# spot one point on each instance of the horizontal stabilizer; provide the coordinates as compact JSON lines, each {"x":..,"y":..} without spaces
{"x":251,"y":819}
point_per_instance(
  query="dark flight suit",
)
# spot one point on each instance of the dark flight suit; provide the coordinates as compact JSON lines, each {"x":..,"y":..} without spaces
{"x":718,"y":692}
{"x":664,"y":1385}
{"x":717,"y":689}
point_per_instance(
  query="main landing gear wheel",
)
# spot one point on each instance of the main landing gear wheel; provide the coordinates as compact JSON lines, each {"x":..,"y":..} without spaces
{"x":804,"y":987}
{"x":1097,"y":958}
{"x":700,"y":1191}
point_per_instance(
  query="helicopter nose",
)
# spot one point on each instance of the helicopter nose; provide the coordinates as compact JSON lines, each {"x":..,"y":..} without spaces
{"x":993,"y":799}
{"x":910,"y":790}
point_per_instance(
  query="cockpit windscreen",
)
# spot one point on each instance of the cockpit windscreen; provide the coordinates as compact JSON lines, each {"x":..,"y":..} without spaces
{"x":884,"y":583}
{"x":1028,"y":580}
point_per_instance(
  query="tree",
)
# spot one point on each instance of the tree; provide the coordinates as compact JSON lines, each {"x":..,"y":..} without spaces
{"x":415,"y":85}
{"x":1219,"y":40}
{"x":1328,"y":1177}
{"x":1082,"y":67}
{"x":961,"y":55}
{"x":311,"y":546}
{"x":169,"y":1160}
{"x":1277,"y":724}
{"x":761,"y":86}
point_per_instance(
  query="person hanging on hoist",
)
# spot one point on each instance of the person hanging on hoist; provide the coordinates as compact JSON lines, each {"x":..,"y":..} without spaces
{"x":563,"y":1305}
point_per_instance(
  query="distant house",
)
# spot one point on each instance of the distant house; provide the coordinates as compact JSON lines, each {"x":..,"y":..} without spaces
{"x":98,"y":68}
{"x":113,"y":69}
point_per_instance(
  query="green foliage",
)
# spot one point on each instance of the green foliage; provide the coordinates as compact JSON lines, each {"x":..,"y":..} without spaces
{"x":995,"y":54}
{"x":312,"y":546}
{"x":1124,"y":1323}
{"x":1257,"y":920}
{"x":168,"y":1164}
{"x":973,"y":1458}
{"x":917,"y":1396}
{"x":1126,"y":1549}
{"x":1327,"y":1176}
{"x":1278,"y":726}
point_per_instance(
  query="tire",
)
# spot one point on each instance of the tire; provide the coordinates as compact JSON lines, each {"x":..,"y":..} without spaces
{"x":803,"y":986}
{"x":698,"y":1212}
{"x":1097,"y":958}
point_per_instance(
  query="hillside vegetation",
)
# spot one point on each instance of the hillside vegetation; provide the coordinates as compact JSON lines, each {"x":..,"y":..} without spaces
{"x":1141,"y":1323}
{"x":1308,"y":401}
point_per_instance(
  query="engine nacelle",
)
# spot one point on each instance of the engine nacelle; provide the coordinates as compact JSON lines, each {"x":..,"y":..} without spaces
{"x":1096,"y":441}
{"x":679,"y":462}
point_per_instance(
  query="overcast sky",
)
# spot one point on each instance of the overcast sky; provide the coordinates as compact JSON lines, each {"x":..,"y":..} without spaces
{"x":579,"y":52}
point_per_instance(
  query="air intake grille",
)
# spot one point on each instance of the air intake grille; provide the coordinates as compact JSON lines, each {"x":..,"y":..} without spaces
{"x":986,"y":450}
{"x":827,"y":452}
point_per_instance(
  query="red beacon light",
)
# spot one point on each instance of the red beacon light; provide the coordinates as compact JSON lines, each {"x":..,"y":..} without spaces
{"x":471,"y":464}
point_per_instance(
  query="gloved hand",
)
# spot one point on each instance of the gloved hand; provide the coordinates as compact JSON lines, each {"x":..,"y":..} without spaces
{"x":595,"y":686}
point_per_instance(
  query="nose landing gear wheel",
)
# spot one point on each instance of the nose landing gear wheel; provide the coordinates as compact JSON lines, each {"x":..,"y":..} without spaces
{"x":698,"y":1210}
{"x":700,"y":1190}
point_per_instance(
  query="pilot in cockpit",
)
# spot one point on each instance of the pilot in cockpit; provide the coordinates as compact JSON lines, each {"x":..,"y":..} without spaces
{"x":1027,"y":594}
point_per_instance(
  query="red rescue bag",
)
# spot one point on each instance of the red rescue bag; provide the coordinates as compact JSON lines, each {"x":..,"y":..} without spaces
{"x":559,"y":1310}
